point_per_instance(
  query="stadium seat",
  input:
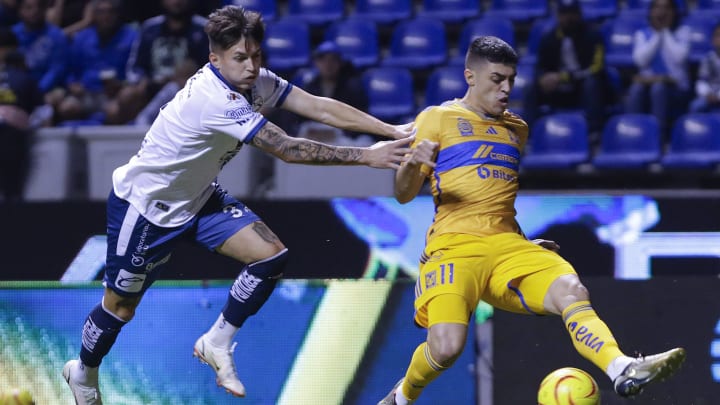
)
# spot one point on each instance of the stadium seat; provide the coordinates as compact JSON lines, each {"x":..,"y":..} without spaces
{"x":523,"y":79}
{"x":268,"y":8}
{"x":619,"y":36}
{"x":383,"y":11}
{"x":450,"y":10}
{"x":701,"y":26}
{"x":417,"y":43}
{"x":639,"y":8}
{"x":629,"y":141}
{"x":390,"y":92}
{"x":445,"y":83}
{"x":496,"y":26}
{"x":598,"y":9}
{"x":708,"y":7}
{"x":518,"y":10}
{"x":537,"y":29}
{"x":557,"y":141}
{"x":316,"y":12}
{"x":357,"y":39}
{"x":287,"y":44}
{"x":694,"y":142}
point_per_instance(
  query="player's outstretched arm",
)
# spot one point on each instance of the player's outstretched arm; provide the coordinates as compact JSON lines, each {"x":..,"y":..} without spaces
{"x":409,"y":178}
{"x":340,"y":115}
{"x":382,"y":155}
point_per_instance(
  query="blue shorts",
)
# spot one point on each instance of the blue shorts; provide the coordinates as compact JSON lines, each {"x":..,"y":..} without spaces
{"x":137,"y":249}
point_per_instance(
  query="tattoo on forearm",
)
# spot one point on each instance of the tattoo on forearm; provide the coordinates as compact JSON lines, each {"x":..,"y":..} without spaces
{"x":265,"y":232}
{"x":298,"y":150}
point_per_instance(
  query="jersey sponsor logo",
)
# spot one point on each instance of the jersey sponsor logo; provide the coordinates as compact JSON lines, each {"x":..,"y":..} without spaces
{"x":483,"y":151}
{"x":483,"y":172}
{"x":137,"y":261}
{"x":465,"y":127}
{"x":584,"y":336}
{"x":491,"y":131}
{"x":239,"y":113}
{"x":150,"y":266}
{"x":472,"y":152}
{"x":129,"y":282}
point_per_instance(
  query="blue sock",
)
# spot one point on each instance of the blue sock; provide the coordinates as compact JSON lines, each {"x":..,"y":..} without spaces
{"x":99,"y":333}
{"x":253,"y":287}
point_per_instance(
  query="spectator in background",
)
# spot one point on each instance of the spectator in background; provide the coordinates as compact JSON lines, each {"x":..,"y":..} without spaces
{"x":99,"y":55}
{"x":707,"y":85}
{"x":570,"y":69}
{"x":70,"y":15}
{"x":164,"y":43}
{"x":8,"y":13}
{"x":19,"y":97}
{"x":660,"y":53}
{"x":44,"y":45}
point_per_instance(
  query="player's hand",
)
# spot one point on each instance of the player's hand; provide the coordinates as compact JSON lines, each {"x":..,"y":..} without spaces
{"x":402,"y":131}
{"x":423,"y":153}
{"x":387,"y":154}
{"x":547,"y":244}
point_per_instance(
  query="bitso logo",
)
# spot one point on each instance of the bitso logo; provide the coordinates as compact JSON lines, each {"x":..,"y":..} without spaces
{"x":483,"y":172}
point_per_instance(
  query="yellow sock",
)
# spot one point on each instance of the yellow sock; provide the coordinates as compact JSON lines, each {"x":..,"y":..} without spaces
{"x":590,"y":335}
{"x":422,"y":370}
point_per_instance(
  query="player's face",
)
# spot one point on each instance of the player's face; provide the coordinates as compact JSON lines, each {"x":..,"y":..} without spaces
{"x":490,"y":86}
{"x":239,"y":64}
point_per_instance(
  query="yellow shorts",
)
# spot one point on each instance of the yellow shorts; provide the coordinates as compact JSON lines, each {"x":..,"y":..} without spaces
{"x":505,"y":270}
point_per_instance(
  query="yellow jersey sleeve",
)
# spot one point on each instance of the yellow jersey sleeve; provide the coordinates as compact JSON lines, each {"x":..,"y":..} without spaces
{"x":427,"y":125}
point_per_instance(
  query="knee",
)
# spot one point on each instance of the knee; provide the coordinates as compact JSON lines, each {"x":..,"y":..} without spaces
{"x":121,"y":307}
{"x":445,"y":348}
{"x":565,"y":291}
{"x":271,"y":267}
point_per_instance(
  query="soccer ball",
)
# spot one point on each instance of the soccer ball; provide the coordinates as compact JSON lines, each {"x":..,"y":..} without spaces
{"x":16,"y":396}
{"x":566,"y":386}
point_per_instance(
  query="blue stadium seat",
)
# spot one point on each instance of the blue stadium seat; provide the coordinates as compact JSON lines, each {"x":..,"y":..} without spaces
{"x":639,"y":8}
{"x":287,"y":44}
{"x":518,"y":10}
{"x":629,"y":141}
{"x":619,"y":36}
{"x":357,"y":39}
{"x":708,"y":7}
{"x":598,"y":9}
{"x":537,"y":29}
{"x":417,"y":43}
{"x":701,"y":27}
{"x":557,"y":141}
{"x":383,"y":11}
{"x":268,"y":8}
{"x":497,"y":26}
{"x":445,"y":83}
{"x":390,"y":92}
{"x":450,"y":10}
{"x":694,"y":142}
{"x":523,"y":79}
{"x":316,"y":12}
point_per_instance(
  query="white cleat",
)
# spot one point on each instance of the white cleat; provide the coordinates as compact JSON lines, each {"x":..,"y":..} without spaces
{"x":390,"y":398}
{"x":83,"y":382}
{"x":221,"y":360}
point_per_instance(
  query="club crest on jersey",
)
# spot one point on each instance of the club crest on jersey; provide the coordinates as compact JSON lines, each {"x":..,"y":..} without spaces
{"x":465,"y":127}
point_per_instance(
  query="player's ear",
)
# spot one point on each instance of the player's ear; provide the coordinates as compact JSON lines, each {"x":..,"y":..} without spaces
{"x":213,"y":59}
{"x":469,"y":77}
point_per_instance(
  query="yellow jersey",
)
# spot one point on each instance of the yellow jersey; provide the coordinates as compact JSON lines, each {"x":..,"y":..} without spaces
{"x":475,"y":181}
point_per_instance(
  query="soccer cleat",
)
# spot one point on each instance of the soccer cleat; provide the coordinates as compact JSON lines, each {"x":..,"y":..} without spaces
{"x":647,"y":369}
{"x":390,"y":398}
{"x":85,"y":392}
{"x":221,"y":360}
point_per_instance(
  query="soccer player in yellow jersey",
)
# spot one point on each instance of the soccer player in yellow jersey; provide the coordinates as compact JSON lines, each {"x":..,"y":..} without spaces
{"x":475,"y":249}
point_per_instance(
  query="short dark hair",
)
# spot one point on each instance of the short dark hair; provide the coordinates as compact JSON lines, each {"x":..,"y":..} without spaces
{"x":227,"y":25}
{"x":490,"y":49}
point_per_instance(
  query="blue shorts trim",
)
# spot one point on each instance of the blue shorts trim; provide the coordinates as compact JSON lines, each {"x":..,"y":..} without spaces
{"x":138,"y":249}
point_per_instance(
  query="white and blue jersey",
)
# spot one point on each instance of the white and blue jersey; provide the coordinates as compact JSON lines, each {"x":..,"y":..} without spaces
{"x":167,"y":191}
{"x":193,"y":137}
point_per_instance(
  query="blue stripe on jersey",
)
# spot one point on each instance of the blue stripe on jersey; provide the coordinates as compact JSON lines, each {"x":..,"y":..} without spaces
{"x":478,"y":153}
{"x":255,"y":130}
{"x":284,"y":95}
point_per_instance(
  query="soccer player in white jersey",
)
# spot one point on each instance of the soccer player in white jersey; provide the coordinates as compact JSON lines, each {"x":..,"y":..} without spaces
{"x":167,"y":192}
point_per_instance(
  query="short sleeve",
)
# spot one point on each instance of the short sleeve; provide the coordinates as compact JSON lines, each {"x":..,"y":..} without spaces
{"x":427,"y":125}
{"x":271,"y":89}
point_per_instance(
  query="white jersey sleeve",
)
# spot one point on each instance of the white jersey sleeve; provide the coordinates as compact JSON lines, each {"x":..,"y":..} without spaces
{"x":194,"y":136}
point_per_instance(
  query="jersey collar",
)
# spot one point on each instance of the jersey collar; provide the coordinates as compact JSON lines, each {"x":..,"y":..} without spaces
{"x":222,"y":79}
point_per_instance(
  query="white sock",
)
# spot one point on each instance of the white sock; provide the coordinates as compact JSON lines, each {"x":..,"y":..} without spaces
{"x":617,"y":366}
{"x":86,"y":374}
{"x":222,"y":332}
{"x":400,"y":398}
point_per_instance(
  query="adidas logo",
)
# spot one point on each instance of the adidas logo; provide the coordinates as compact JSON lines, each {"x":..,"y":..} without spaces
{"x":491,"y":131}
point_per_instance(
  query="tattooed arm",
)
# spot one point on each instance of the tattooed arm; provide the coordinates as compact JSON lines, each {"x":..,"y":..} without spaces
{"x":382,"y":155}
